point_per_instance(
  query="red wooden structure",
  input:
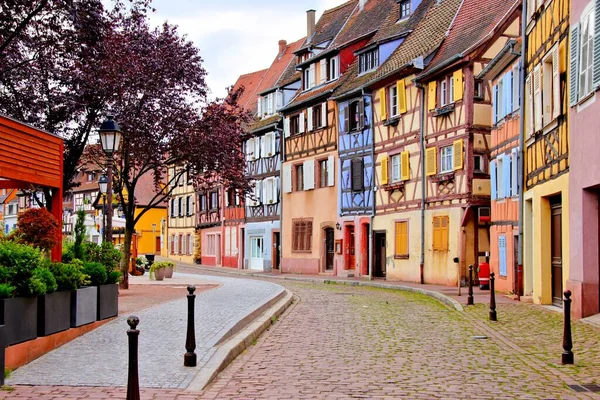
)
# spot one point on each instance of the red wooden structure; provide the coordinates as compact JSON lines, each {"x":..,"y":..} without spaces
{"x":31,"y":158}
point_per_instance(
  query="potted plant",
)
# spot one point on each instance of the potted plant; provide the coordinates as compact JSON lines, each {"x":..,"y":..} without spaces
{"x":84,"y":300}
{"x":169,"y":268}
{"x":108,"y":292}
{"x":157,"y":271}
{"x":57,"y":307}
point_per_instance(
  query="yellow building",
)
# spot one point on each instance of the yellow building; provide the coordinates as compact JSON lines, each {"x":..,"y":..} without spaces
{"x":181,"y":223}
{"x":546,"y":154}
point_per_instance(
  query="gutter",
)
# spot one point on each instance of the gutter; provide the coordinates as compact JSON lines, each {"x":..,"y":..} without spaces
{"x":281,"y":160}
{"x":439,"y":67}
{"x":423,"y":182}
{"x":299,"y":105}
{"x":521,"y":151}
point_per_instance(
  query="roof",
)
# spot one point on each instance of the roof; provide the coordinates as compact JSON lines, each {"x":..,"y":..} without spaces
{"x":476,"y":21}
{"x":364,"y":22}
{"x":145,"y":190}
{"x":250,"y":83}
{"x":504,"y":58}
{"x":263,"y":123}
{"x":279,"y":66}
{"x":330,"y":23}
{"x":427,"y":26}
{"x":307,"y":96}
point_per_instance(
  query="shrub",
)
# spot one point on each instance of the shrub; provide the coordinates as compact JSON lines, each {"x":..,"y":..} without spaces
{"x":37,"y":227}
{"x":96,"y":273}
{"x":113,"y":277}
{"x":79,"y":234}
{"x":91,"y":252}
{"x":6,"y":290}
{"x":20,"y":261}
{"x":141,"y":261}
{"x":45,"y":276}
{"x":68,"y":276}
{"x":110,"y":257}
{"x":68,"y":252}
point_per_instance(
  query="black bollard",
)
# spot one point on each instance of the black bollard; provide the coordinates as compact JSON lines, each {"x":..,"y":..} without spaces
{"x":470,"y":298}
{"x":493,"y":316}
{"x":567,"y":355}
{"x":189,"y":359}
{"x":133,"y":381}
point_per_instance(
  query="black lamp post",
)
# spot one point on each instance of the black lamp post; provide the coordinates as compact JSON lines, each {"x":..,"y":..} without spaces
{"x":103,"y":185}
{"x":110,"y":138}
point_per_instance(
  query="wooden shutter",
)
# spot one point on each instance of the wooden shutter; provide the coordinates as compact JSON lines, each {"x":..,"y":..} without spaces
{"x":257,"y":146}
{"x":287,"y":178}
{"x":301,"y":122}
{"x":311,"y":75}
{"x":431,"y":161}
{"x":537,"y":99}
{"x":457,"y":152}
{"x":323,"y":77}
{"x":405,"y":165}
{"x":431,"y":99}
{"x":330,"y":171}
{"x":250,"y":148}
{"x":516,"y":78}
{"x":555,"y":84}
{"x":266,"y":193}
{"x":382,"y":104}
{"x":574,"y":61}
{"x":309,"y":174}
{"x":458,"y":85}
{"x":259,"y":106}
{"x":528,"y":104}
{"x":384,"y":170}
{"x":346,"y":119}
{"x":286,"y":127}
{"x":361,"y":114}
{"x":493,"y":182}
{"x":444,"y":228}
{"x":514,"y":185}
{"x":596,"y":58}
{"x":357,"y":174}
{"x":506,"y":180}
{"x":310,"y":118}
{"x":495,"y":103}
{"x":323,"y":114}
{"x":401,"y":238}
{"x":401,"y":96}
{"x":279,"y":100}
{"x":507,"y":85}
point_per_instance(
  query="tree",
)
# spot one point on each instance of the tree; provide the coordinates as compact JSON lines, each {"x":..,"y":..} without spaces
{"x":38,"y":228}
{"x":160,"y":104}
{"x":79,"y":231}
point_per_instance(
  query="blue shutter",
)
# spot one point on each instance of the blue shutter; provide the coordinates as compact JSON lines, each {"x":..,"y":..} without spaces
{"x":494,"y":187}
{"x":506,"y":175}
{"x":495,"y":103}
{"x":509,"y":86}
{"x":502,"y":254}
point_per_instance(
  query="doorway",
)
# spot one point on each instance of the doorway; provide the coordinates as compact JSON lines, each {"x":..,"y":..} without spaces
{"x":276,"y":250}
{"x":350,"y":248}
{"x":157,"y":245}
{"x":329,"y":248}
{"x":556,"y":250}
{"x":256,"y":252}
{"x":380,"y":256}
{"x":218,"y":249}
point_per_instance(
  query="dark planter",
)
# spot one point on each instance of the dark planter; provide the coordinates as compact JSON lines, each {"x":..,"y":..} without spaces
{"x":54,"y":313}
{"x":84,"y":306}
{"x":2,"y":350}
{"x":108,"y":301}
{"x":19,"y":315}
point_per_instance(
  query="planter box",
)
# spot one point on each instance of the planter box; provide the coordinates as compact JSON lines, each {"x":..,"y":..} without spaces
{"x":54,"y":313}
{"x":84,"y":306}
{"x":2,"y":354}
{"x":19,"y":315}
{"x":108,"y":301}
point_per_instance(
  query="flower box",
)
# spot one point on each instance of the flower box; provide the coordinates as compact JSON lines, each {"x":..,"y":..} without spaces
{"x":108,"y":301}
{"x":394,"y":186}
{"x":54,"y":313}
{"x":447,"y":109}
{"x":19,"y":316}
{"x":444,"y":177}
{"x":84,"y":306}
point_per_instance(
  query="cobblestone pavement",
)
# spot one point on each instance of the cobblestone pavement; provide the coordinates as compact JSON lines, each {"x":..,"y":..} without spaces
{"x":99,"y":358}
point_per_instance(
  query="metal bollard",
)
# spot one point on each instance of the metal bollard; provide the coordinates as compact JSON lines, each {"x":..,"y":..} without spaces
{"x":470,"y":298}
{"x":567,"y":355}
{"x":133,"y":381}
{"x":189,"y":359}
{"x":493,"y":315}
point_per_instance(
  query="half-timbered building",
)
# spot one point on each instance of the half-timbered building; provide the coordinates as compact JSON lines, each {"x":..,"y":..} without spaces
{"x":209,"y":211}
{"x":455,"y":133}
{"x":546,"y":151}
{"x":181,"y":222}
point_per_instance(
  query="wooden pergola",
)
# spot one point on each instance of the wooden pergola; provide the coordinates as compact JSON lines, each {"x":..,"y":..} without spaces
{"x":31,"y":158}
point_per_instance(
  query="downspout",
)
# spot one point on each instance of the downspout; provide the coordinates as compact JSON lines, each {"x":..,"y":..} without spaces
{"x":423,"y":181}
{"x":371,"y":241}
{"x":281,"y":157}
{"x":521,"y":177}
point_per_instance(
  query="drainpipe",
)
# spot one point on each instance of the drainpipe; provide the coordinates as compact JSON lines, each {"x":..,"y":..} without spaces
{"x":521,"y":177}
{"x":371,"y":241}
{"x":423,"y":181}
{"x":281,"y":158}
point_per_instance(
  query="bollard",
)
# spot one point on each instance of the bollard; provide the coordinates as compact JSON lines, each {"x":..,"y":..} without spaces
{"x":189,"y":359}
{"x":493,"y":316}
{"x":133,"y":381}
{"x":470,"y":298}
{"x":567,"y":355}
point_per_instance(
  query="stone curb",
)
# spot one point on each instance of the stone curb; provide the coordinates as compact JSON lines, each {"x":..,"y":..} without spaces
{"x":240,"y":341}
{"x":442,"y":298}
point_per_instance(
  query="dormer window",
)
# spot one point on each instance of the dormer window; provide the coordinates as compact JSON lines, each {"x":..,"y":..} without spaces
{"x":368,"y":61}
{"x":404,"y":9}
{"x":309,"y":77}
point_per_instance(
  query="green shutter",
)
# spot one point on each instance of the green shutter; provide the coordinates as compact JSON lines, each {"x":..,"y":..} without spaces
{"x":596,"y":74}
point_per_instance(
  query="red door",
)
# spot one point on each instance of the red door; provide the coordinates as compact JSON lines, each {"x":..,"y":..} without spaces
{"x":556,"y":252}
{"x":157,"y":245}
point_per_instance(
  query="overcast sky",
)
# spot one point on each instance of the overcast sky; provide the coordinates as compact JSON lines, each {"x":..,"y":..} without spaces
{"x":238,"y":36}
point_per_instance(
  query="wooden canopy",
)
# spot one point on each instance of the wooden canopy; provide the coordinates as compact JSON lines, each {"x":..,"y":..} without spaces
{"x":31,"y":158}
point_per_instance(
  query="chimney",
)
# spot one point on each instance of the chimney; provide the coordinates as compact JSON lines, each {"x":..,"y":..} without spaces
{"x":361,"y":4}
{"x":282,"y":45}
{"x":310,"y":23}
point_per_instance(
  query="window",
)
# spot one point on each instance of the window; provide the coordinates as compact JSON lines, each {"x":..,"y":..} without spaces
{"x":586,"y":56}
{"x":396,"y":168}
{"x":230,"y":198}
{"x":268,"y":144}
{"x":295,"y":124}
{"x":551,"y":84}
{"x":268,"y":104}
{"x":505,"y":94}
{"x":440,"y":233}
{"x":451,"y":91}
{"x":172,"y":207}
{"x":172,"y":244}
{"x":91,"y":176}
{"x":188,"y":206}
{"x":189,"y":244}
{"x":302,"y":235}
{"x":306,"y":79}
{"x":401,"y":250}
{"x":393,"y":94}
{"x":354,"y":117}
{"x":180,"y":206}
{"x":323,"y":173}
{"x":214,"y":200}
{"x":317,"y":116}
{"x":211,"y":245}
{"x":334,"y":70}
{"x":446,"y":159}
{"x":478,"y":164}
{"x":202,"y":200}
{"x":502,"y":254}
{"x":299,"y":175}
{"x":368,"y":61}
{"x":270,"y":192}
{"x":357,"y":171}
{"x":479,"y":92}
{"x":404,"y":9}
{"x":443,"y":93}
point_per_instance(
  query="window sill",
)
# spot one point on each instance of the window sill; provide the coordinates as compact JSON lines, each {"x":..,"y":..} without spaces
{"x":447,"y":109}
{"x":392,"y":121}
{"x":390,"y":187}
{"x":401,"y":257}
{"x":302,"y":251}
{"x":443,"y":177}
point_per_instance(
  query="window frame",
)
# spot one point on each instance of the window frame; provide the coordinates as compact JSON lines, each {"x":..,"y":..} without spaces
{"x":322,"y":179}
{"x":443,"y":92}
{"x":399,"y":158}
{"x":213,"y":202}
{"x":449,"y":159}
{"x":368,"y":61}
{"x":294,"y":124}
{"x":298,"y":183}
{"x":333,"y":69}
{"x":393,"y":101}
{"x":482,"y":169}
{"x":302,"y":235}
{"x":404,"y":13}
{"x":354,"y":116}
{"x":588,"y":16}
{"x":317,"y":117}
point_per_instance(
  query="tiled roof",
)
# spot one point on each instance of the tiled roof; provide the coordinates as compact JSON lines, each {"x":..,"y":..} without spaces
{"x":250,"y":83}
{"x":364,"y":22}
{"x":331,"y":22}
{"x":475,"y":21}
{"x":279,"y":66}
{"x":262,"y":123}
{"x":391,"y":27}
{"x":312,"y":94}
{"x":145,"y":190}
{"x":429,"y":25}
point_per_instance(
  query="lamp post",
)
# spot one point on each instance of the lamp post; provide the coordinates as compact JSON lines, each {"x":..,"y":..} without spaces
{"x":103,"y":185}
{"x":110,"y":138}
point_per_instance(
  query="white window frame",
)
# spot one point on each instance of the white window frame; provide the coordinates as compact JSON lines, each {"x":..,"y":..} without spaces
{"x":396,"y":165}
{"x":404,"y":15}
{"x":334,"y":68}
{"x":393,"y":100}
{"x":451,"y":90}
{"x":586,"y":71}
{"x":443,"y":93}
{"x":446,"y":159}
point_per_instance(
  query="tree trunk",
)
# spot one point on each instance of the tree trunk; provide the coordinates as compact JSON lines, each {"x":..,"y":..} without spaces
{"x":129,"y":228}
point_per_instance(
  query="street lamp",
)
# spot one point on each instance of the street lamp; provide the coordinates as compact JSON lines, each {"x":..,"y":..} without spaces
{"x":110,"y":138}
{"x":103,"y":185}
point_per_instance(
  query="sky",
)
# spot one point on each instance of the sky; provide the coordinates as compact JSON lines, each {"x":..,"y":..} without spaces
{"x":236,"y":37}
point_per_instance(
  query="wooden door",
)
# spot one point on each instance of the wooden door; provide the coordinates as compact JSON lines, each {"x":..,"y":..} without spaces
{"x":351,"y":249}
{"x":157,"y":245}
{"x":276,"y":250}
{"x":329,"y":248}
{"x":556,"y":252}
{"x":380,"y":256}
